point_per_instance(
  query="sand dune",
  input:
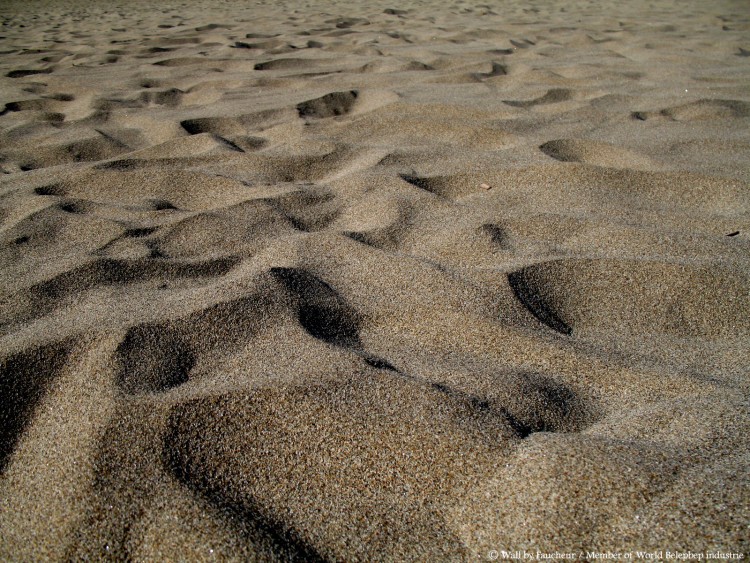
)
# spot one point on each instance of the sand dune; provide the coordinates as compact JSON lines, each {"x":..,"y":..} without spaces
{"x":364,"y":281}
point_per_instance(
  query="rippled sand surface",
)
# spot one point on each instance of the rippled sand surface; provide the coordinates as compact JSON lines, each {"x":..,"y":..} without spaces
{"x":370,"y":281}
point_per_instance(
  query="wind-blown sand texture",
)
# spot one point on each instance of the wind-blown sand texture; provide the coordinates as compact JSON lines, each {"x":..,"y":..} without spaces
{"x":373,"y":281}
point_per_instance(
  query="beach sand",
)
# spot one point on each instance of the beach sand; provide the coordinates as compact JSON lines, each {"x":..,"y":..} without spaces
{"x":373,"y":281}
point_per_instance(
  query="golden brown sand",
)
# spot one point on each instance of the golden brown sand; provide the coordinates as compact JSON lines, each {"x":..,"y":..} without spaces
{"x":373,"y":280}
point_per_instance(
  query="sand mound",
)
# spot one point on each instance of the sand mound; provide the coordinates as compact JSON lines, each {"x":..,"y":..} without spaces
{"x":590,"y":152}
{"x":335,"y":103}
{"x":635,"y":297}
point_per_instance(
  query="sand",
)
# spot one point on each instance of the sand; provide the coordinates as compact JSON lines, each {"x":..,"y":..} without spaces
{"x":373,"y":281}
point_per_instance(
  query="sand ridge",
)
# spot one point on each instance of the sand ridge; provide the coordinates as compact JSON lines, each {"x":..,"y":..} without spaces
{"x":364,"y":281}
